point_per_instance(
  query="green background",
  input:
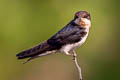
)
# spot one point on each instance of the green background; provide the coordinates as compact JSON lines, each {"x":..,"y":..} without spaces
{"x":26,"y":23}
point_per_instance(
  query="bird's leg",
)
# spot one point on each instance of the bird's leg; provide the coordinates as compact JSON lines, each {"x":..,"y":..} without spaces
{"x":74,"y":54}
{"x":76,"y":64}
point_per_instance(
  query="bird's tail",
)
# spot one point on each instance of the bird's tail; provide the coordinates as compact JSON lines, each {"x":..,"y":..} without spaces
{"x":39,"y":50}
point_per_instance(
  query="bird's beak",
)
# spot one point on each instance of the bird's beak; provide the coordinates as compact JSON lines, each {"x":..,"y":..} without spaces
{"x":80,"y":19}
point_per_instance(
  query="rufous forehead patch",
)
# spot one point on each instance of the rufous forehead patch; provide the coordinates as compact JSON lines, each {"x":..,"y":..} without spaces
{"x":84,"y":14}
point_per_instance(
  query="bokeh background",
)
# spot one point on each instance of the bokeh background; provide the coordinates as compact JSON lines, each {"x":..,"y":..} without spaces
{"x":26,"y":23}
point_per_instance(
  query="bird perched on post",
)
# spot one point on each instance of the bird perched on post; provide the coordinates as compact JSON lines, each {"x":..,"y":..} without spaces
{"x":67,"y":39}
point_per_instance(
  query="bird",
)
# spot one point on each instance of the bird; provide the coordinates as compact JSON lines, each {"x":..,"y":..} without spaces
{"x":66,"y":40}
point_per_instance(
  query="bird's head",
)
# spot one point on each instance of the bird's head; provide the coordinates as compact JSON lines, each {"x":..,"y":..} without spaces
{"x":83,"y":19}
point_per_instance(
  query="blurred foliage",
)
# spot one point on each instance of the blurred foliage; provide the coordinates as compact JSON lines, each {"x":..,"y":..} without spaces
{"x":25,"y":23}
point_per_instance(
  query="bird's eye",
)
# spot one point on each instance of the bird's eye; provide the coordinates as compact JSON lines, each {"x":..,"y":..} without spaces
{"x":85,"y":16}
{"x":76,"y":16}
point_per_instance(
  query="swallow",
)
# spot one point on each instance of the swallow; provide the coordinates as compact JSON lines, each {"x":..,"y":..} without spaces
{"x":73,"y":35}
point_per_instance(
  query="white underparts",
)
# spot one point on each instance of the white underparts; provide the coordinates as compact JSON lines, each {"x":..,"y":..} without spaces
{"x":66,"y":48}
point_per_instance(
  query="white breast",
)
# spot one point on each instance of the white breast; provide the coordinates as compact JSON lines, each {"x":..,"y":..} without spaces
{"x":70,"y":47}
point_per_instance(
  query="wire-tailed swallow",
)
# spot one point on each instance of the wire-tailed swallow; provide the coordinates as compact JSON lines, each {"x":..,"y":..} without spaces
{"x":73,"y":35}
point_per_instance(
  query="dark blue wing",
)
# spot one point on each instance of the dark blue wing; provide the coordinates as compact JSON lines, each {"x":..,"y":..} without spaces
{"x":68,"y":35}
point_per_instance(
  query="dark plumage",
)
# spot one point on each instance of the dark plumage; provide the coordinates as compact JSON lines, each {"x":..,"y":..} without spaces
{"x":68,"y":35}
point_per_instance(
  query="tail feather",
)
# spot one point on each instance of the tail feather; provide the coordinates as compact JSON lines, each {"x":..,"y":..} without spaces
{"x":37,"y":50}
{"x":31,"y":58}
